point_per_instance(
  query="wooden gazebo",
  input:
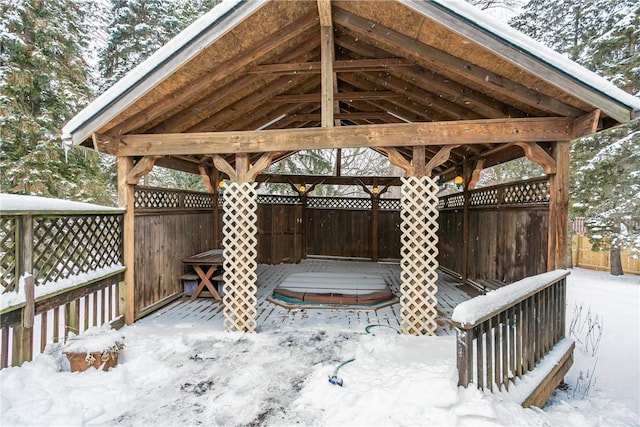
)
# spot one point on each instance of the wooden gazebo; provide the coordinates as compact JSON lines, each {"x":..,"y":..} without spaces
{"x":435,"y":86}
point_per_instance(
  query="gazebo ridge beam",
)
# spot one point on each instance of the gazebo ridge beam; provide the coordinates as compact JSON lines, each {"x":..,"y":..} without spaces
{"x":396,"y":135}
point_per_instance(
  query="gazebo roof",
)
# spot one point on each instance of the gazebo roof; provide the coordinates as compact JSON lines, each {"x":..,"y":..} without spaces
{"x":403,"y":72}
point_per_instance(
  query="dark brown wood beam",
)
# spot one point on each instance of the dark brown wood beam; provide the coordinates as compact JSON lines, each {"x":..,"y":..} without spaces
{"x":439,"y":60}
{"x":432,"y":82}
{"x":228,"y":94}
{"x":241,"y":107}
{"x":249,"y":55}
{"x":329,"y":180}
{"x":339,"y":66}
{"x":408,"y":134}
{"x":317,"y":97}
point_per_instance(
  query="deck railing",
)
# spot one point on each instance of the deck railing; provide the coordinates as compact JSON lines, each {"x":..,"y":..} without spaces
{"x":503,"y":335}
{"x":60,"y":272}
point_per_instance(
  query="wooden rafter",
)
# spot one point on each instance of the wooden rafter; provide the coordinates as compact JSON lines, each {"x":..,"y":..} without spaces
{"x":413,"y":93}
{"x":438,"y":59}
{"x":318,"y":97}
{"x":247,"y":56}
{"x":403,"y":135}
{"x":352,"y":65}
{"x":435,"y":83}
{"x":240,"y":107}
{"x":586,"y":124}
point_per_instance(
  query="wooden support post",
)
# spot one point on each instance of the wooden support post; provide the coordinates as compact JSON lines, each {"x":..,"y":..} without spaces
{"x":465,"y":223}
{"x":559,"y":208}
{"x":419,"y":163}
{"x":327,"y":56}
{"x":465,"y":356}
{"x":240,"y":250}
{"x":216,"y":210}
{"x":23,"y":333}
{"x":125,"y":200}
{"x":375,"y":227}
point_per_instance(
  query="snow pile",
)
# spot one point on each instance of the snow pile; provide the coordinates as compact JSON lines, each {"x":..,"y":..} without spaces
{"x":176,"y":373}
{"x":98,"y":339}
{"x":473,"y":310}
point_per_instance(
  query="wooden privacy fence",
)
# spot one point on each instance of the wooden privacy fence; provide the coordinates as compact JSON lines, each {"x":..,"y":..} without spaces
{"x":60,"y":272}
{"x":503,"y":335}
{"x":500,"y":234}
{"x":583,"y":256}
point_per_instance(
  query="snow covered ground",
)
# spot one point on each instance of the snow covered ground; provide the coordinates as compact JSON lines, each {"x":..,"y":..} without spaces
{"x":177,"y":373}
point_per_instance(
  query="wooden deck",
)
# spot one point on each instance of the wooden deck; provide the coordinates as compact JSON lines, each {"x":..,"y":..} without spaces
{"x":206,"y":311}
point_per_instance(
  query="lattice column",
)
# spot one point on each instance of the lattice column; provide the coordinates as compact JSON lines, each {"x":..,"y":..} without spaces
{"x":419,"y":224}
{"x":240,"y":253}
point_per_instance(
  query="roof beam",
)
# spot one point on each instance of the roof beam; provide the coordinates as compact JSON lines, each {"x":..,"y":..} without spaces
{"x":342,"y":96}
{"x":438,"y":59}
{"x":430,"y":81}
{"x":327,"y":56}
{"x":402,"y":135}
{"x":354,"y":65}
{"x":245,"y":58}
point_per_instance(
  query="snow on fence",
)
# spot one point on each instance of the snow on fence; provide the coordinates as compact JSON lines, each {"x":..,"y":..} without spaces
{"x":60,"y":270}
{"x":504,"y":334}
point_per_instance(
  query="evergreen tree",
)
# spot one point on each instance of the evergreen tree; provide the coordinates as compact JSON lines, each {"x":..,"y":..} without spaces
{"x":138,"y":28}
{"x":605,"y":189}
{"x":42,"y":83}
{"x":613,"y":50}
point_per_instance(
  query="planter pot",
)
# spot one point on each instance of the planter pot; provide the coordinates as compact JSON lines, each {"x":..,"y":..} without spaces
{"x":82,"y":361}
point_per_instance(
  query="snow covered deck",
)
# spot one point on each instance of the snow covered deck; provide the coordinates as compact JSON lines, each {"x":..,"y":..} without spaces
{"x":272,"y":316}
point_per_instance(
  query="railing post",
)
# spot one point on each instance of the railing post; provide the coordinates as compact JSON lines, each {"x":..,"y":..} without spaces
{"x":23,"y":332}
{"x":465,"y":356}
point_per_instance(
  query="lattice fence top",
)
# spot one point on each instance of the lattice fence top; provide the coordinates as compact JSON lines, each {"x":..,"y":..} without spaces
{"x":531,"y":192}
{"x":8,"y":247}
{"x":348,"y":203}
{"x":70,"y":245}
{"x":165,"y":199}
{"x":389,"y":204}
{"x":276,"y":199}
{"x":62,"y":246}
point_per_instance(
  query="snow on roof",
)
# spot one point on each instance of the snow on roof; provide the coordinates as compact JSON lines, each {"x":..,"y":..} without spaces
{"x":539,"y":51}
{"x":15,"y":203}
{"x":160,"y":58}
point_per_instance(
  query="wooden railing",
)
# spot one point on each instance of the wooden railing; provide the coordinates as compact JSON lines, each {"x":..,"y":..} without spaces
{"x":61,"y":273}
{"x":503,"y":335}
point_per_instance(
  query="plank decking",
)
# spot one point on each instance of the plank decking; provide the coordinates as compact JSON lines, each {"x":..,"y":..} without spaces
{"x":205,"y":311}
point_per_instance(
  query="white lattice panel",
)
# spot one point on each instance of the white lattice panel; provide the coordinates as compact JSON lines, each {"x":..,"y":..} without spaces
{"x":240,"y":253}
{"x":419,"y":224}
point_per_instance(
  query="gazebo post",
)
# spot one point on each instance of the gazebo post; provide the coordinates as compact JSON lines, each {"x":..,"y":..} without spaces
{"x":419,"y":224}
{"x":240,"y":249}
{"x":126,"y":201}
{"x":558,"y":237}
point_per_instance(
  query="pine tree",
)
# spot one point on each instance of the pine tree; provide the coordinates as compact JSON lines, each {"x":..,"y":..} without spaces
{"x":42,"y":83}
{"x":604,"y":36}
{"x":138,"y":28}
{"x":613,"y":50}
{"x":605,"y":188}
